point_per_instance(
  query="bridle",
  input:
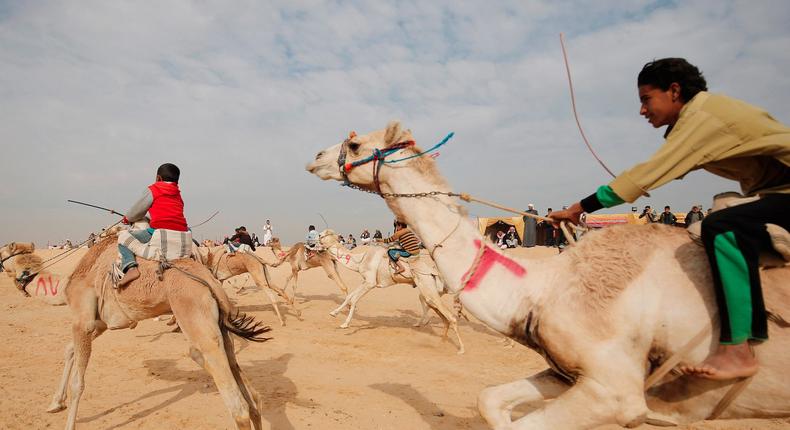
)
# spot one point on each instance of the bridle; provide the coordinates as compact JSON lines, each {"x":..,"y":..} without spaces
{"x":3,"y":260}
{"x":377,"y":158}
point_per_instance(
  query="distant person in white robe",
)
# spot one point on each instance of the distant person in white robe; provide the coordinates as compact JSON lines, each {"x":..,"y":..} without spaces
{"x":267,"y":233}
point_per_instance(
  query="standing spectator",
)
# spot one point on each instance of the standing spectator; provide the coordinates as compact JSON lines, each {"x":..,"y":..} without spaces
{"x":364,"y":238}
{"x":530,"y":227}
{"x":550,"y":230}
{"x":351,"y":243}
{"x":695,"y":215}
{"x":267,"y":233}
{"x":667,"y":217}
{"x":650,"y":214}
{"x":377,"y":235}
{"x":91,"y":240}
{"x":511,"y":238}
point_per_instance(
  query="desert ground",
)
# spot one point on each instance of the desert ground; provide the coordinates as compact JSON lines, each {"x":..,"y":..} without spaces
{"x":378,"y":374}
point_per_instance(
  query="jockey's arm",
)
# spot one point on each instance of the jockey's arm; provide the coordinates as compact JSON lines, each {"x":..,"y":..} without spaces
{"x":140,"y":207}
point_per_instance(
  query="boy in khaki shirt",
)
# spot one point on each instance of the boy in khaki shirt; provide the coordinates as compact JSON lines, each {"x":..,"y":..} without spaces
{"x":737,"y":141}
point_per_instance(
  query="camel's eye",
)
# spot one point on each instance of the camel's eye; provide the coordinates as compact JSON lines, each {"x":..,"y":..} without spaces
{"x":353,"y":146}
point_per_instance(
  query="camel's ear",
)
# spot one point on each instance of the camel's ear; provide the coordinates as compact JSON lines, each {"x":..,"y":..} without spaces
{"x":12,"y":247}
{"x":393,"y":133}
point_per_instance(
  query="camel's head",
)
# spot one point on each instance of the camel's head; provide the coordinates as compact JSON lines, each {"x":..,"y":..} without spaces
{"x":327,"y":238}
{"x":275,"y":243}
{"x":332,"y":162}
{"x":15,"y":248}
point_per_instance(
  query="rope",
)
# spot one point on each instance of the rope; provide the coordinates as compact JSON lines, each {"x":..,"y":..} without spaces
{"x":563,"y":225}
{"x":573,"y":104}
{"x":431,"y":149}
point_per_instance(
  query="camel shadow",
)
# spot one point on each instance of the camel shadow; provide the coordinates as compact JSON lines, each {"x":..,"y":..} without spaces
{"x":198,"y":382}
{"x":431,"y":414}
{"x":334,"y":298}
{"x":266,"y":376}
{"x":276,"y":390}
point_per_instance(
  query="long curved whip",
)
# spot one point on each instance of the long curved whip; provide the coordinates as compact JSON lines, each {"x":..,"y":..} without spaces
{"x":573,"y":104}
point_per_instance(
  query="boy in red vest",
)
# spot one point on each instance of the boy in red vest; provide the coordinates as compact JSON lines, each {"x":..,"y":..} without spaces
{"x":162,"y":200}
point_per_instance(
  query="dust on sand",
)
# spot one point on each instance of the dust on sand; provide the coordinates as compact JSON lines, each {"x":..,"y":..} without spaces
{"x":379,"y":374}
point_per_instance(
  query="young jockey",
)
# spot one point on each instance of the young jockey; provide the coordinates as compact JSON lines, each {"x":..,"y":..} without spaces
{"x":311,"y":242}
{"x":409,"y":245}
{"x":737,"y":141}
{"x":162,"y":200}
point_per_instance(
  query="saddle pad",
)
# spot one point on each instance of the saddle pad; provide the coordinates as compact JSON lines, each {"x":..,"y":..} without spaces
{"x":164,"y":244}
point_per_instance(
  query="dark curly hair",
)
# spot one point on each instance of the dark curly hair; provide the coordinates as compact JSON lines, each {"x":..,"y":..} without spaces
{"x":662,"y":73}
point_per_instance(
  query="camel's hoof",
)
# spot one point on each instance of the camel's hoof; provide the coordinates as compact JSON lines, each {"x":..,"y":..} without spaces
{"x":416,"y":325}
{"x":343,"y":325}
{"x":460,"y":352}
{"x":334,"y":313}
{"x":55,"y":407}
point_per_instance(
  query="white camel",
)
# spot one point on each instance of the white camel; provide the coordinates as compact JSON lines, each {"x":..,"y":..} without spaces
{"x":376,"y":272}
{"x":603,"y":314}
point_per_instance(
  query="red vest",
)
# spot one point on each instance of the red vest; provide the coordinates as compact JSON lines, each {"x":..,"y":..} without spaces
{"x":167,"y":211}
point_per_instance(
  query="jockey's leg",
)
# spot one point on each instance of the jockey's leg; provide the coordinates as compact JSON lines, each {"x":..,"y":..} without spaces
{"x":128,"y":261}
{"x":733,"y":239}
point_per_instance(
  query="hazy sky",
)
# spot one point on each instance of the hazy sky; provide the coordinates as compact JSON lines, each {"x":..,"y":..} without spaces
{"x":241,"y":95}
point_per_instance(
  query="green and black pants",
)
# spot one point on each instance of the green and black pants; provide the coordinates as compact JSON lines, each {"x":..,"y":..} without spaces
{"x":734,"y":238}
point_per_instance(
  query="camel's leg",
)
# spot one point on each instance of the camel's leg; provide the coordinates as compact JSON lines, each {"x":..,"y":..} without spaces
{"x":355,"y":296}
{"x":198,"y":316}
{"x":617,"y":399}
{"x":273,"y":299}
{"x":245,"y":386}
{"x":347,"y":300}
{"x":428,"y":290}
{"x":59,"y":398}
{"x":425,"y":315}
{"x":496,"y":403}
{"x":85,"y":327}
{"x":330,"y":267}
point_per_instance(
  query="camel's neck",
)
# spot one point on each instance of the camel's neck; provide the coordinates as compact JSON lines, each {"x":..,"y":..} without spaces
{"x":497,"y":293}
{"x":342,"y":256}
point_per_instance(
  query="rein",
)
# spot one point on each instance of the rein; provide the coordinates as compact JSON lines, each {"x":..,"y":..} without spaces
{"x":8,"y":258}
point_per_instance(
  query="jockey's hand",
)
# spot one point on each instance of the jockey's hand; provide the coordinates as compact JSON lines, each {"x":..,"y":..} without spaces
{"x":571,"y":214}
{"x":124,"y":220}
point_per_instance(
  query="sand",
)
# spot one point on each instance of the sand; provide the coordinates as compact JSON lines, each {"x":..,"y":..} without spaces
{"x":378,"y":374}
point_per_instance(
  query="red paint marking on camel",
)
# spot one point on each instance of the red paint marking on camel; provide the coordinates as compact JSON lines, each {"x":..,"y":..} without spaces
{"x":46,"y":282}
{"x":487,"y":261}
{"x":348,"y":258}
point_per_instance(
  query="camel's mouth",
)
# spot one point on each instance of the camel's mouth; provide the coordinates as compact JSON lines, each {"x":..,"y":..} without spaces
{"x":323,"y":170}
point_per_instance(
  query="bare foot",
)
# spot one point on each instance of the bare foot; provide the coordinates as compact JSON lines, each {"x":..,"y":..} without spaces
{"x":131,"y":274}
{"x":728,"y":362}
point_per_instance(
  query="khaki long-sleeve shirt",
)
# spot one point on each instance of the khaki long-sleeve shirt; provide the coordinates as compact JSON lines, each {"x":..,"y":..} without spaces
{"x":724,"y":136}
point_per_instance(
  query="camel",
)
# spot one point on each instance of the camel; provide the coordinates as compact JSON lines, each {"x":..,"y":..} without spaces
{"x":604,"y":313}
{"x":376,"y":271}
{"x":48,"y":285}
{"x":224,"y":266}
{"x":188,"y":292}
{"x":297,"y":259}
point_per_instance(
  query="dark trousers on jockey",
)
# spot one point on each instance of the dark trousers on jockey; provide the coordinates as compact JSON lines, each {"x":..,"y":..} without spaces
{"x":733,"y":239}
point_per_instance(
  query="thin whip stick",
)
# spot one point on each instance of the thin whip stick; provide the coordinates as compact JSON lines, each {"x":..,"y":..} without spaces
{"x":209,"y":219}
{"x":573,"y":104}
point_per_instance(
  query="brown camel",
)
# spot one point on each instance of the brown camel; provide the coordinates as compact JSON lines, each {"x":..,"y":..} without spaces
{"x":299,"y":262}
{"x":224,"y":266}
{"x":9,"y":253}
{"x":188,"y":291}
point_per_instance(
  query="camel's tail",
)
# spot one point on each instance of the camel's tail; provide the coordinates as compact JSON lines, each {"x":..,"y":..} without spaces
{"x":245,"y":326}
{"x":240,"y":324}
